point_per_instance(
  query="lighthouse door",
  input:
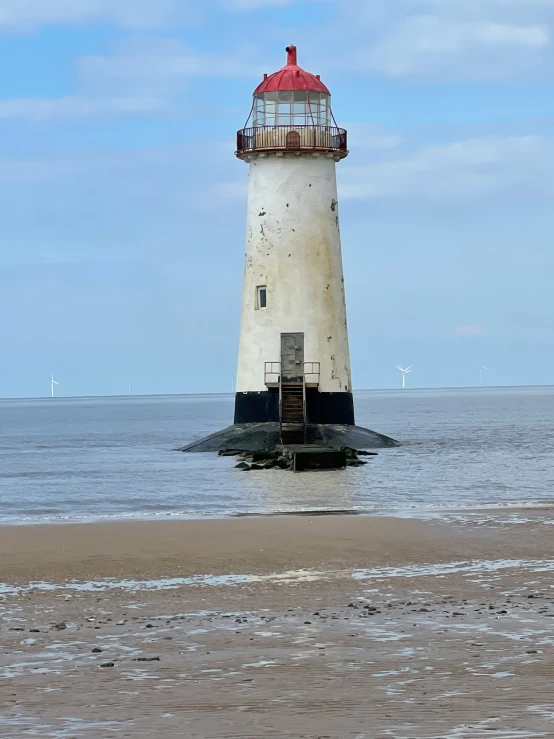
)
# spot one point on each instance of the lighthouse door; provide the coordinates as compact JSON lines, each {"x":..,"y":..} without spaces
{"x":292,"y":355}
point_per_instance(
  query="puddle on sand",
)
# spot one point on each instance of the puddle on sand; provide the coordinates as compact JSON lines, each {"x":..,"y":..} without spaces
{"x":66,"y":728}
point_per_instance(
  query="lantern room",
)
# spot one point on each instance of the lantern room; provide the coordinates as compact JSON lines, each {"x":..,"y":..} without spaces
{"x":291,"y":108}
{"x":291,"y":111}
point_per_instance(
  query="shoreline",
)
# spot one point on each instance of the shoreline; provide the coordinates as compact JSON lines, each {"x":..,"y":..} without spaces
{"x":261,"y":545}
{"x":416,"y":512}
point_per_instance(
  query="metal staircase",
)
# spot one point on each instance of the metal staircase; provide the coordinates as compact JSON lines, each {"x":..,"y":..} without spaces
{"x":292,"y":411}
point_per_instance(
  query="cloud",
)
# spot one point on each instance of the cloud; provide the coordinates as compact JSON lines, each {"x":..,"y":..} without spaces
{"x":470,"y":169}
{"x":469,"y":331}
{"x":27,"y":15}
{"x":162,"y":66}
{"x":368,"y":137}
{"x":426,"y":44}
{"x":141,"y":76}
{"x":232,"y":190}
{"x":447,"y":39}
{"x":47,"y":109}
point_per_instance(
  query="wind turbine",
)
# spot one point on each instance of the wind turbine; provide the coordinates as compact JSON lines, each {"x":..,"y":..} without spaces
{"x":481,"y":375}
{"x":52,"y":384}
{"x":404,"y":373}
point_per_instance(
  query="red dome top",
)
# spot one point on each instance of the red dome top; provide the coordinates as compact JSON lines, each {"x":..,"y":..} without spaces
{"x":291,"y":77}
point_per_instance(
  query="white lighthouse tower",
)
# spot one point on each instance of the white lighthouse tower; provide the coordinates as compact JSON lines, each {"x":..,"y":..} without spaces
{"x":294,"y":361}
{"x":293,"y":382}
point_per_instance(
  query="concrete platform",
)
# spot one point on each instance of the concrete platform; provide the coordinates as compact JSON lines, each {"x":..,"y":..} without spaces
{"x":257,"y":437}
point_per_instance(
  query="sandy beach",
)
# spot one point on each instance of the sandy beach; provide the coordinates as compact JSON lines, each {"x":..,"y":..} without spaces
{"x":304,"y":626}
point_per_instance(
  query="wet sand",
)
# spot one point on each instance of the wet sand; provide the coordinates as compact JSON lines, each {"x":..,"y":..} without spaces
{"x":342,"y":627}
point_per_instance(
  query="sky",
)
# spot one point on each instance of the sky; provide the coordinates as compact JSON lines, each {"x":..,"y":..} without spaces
{"x":123,"y":207}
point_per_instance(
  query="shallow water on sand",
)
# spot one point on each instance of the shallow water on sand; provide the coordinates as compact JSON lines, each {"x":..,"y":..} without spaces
{"x":94,"y":458}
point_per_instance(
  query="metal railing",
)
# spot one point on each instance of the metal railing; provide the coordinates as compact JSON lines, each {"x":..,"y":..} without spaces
{"x":280,"y":409}
{"x":272,"y":373}
{"x":311,"y":373}
{"x":292,"y":138}
{"x":305,"y":408}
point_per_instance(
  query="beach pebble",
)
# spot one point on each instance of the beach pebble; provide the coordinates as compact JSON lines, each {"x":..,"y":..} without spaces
{"x":108,"y":664}
{"x":17,"y":628}
{"x":61,"y":626}
{"x":96,"y":650}
{"x":146,"y":659}
{"x":34,"y":631}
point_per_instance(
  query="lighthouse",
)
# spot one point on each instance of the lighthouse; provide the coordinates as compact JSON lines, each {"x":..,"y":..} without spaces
{"x":294,"y":360}
{"x":293,"y":382}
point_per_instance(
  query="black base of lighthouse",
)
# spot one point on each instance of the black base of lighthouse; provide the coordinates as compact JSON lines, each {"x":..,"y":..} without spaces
{"x":322,"y":408}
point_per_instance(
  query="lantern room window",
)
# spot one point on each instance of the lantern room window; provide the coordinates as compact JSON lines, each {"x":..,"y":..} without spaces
{"x":288,"y":108}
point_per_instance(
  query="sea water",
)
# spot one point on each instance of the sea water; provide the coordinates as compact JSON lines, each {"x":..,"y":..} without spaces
{"x":103,"y":458}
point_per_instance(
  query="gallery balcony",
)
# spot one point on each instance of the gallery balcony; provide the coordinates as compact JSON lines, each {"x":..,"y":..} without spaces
{"x":325,"y":139}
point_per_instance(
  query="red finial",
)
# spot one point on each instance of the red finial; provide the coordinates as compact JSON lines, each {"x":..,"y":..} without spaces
{"x":292,"y":57}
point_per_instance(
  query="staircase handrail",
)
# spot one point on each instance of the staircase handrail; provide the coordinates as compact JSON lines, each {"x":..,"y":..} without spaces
{"x":305,"y":409}
{"x":280,"y":408}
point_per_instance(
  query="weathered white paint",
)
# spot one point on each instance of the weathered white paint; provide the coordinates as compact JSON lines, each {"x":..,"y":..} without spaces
{"x":293,"y":247}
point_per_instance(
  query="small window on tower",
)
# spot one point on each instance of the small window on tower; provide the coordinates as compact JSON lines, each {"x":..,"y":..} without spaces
{"x":261,"y":297}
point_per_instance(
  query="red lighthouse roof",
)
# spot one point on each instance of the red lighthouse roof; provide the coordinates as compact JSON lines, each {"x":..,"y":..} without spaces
{"x":291,"y":77}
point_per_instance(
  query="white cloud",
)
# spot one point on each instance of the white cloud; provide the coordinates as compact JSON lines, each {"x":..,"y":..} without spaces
{"x":142,"y":76}
{"x":44,"y":109}
{"x":469,"y":331}
{"x":162,"y":66}
{"x":472,"y":169}
{"x":232,"y":190}
{"x":367,"y":137}
{"x":447,"y":39}
{"x":24,"y":15}
{"x":428,"y":44}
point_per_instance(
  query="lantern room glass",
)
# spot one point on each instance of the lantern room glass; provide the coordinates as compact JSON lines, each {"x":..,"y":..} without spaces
{"x":288,"y":108}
